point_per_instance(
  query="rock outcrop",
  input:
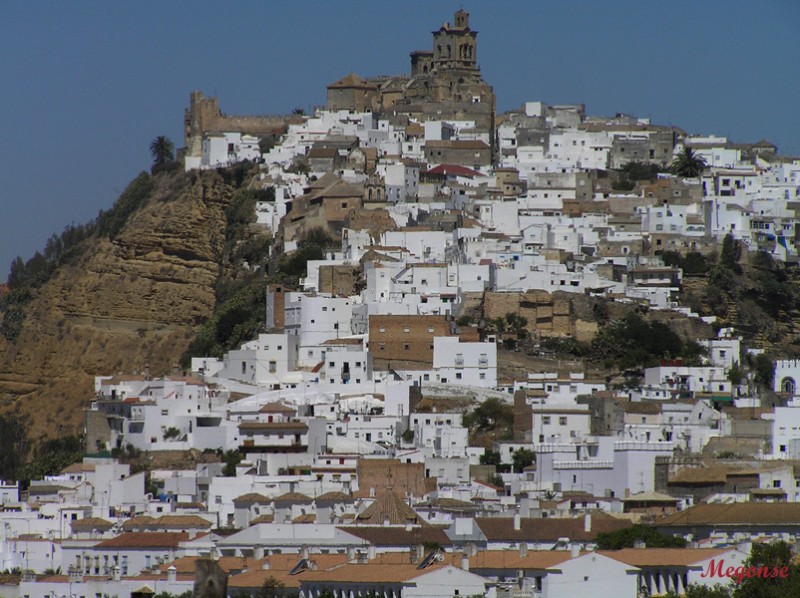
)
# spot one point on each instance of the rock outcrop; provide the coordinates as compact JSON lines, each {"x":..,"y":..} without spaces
{"x":127,"y":305}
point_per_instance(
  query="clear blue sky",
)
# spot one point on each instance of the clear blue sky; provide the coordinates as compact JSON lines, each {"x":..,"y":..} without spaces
{"x":85,"y":86}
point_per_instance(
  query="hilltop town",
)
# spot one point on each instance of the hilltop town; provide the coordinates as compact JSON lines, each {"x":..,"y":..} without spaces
{"x":449,"y":352}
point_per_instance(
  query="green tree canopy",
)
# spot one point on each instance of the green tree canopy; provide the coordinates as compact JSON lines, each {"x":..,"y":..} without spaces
{"x":777,"y":554}
{"x":162,"y":149}
{"x":634,"y":342}
{"x":522,"y":458}
{"x":731,"y":254}
{"x":687,"y":163}
{"x":490,"y":457}
{"x":627,"y":537}
{"x":492,"y":415}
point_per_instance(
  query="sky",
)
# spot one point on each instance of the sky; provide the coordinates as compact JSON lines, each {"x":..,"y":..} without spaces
{"x":85,"y":86}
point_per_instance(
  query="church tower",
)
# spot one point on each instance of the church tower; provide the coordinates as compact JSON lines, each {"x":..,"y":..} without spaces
{"x":455,"y":47}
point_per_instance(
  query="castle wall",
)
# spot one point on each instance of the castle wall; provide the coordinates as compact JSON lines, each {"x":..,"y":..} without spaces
{"x":204,"y":116}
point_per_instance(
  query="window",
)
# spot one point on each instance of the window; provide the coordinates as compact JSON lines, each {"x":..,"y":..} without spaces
{"x":458,"y":375}
{"x":273,"y":367}
{"x":430,"y":329}
{"x":546,"y":420}
{"x":406,"y":347}
{"x":244,"y":367}
{"x":165,"y":412}
{"x":482,"y":375}
{"x":382,"y":329}
{"x":406,"y":329}
{"x":562,"y":421}
{"x":381,"y":346}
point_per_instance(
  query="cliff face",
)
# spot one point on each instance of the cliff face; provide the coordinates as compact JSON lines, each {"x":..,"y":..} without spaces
{"x":122,"y":306}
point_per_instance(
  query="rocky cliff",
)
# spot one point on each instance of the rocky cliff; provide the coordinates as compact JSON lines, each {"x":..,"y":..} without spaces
{"x":127,"y":303}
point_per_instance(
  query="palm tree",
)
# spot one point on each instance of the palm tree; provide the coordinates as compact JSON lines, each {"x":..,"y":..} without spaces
{"x":162,"y":149}
{"x":688,"y":164}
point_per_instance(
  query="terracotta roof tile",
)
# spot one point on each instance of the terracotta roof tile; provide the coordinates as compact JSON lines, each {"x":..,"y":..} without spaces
{"x":398,"y":536}
{"x":145,"y":540}
{"x":663,"y":557}
{"x":736,"y":514}
{"x":389,"y":507}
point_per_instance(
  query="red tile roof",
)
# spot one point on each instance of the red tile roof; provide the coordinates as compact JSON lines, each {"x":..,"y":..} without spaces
{"x":453,"y":170}
{"x":145,"y":540}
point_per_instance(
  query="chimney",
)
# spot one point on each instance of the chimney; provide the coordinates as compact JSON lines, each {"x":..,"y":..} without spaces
{"x":304,"y":552}
{"x":192,"y":534}
{"x":265,"y":566}
{"x":587,"y":522}
{"x":517,"y":522}
{"x":465,"y":562}
{"x":258,"y":552}
{"x":419,"y":553}
{"x":523,"y":550}
{"x":371,"y":552}
{"x":172,"y":574}
{"x":351,"y":554}
{"x":574,"y":550}
{"x":117,"y":574}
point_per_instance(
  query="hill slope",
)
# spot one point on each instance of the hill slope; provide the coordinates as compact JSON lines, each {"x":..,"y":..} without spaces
{"x":126,"y":302}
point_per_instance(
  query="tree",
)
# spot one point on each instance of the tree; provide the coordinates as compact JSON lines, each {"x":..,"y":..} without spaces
{"x":162,"y":149}
{"x":52,"y":456}
{"x":16,"y":276}
{"x":735,"y":374}
{"x":633,"y":342}
{"x":627,"y":537}
{"x":490,"y":458}
{"x":687,"y":163}
{"x":731,"y":254}
{"x":698,"y":591}
{"x":491,"y":416}
{"x":272,"y":588}
{"x":298,"y":111}
{"x":14,"y":432}
{"x":764,"y":370}
{"x":232,"y":459}
{"x":523,"y":458}
{"x":777,"y":554}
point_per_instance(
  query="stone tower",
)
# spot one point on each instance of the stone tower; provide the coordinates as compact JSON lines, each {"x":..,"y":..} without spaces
{"x":455,"y":47}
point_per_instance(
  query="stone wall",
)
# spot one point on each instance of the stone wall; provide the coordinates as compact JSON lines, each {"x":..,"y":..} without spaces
{"x":338,"y":280}
{"x":204,"y":115}
{"x":547,"y":315}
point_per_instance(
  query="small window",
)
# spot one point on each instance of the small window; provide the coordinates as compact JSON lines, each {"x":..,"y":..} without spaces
{"x":406,"y":329}
{"x":381,"y":329}
{"x":406,"y":347}
{"x":562,"y":421}
{"x":546,"y":420}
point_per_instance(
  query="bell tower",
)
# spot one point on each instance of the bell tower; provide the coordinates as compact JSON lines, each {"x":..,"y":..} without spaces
{"x":455,"y":47}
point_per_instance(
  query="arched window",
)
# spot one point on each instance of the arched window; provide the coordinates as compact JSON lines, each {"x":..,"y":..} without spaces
{"x":788,"y":386}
